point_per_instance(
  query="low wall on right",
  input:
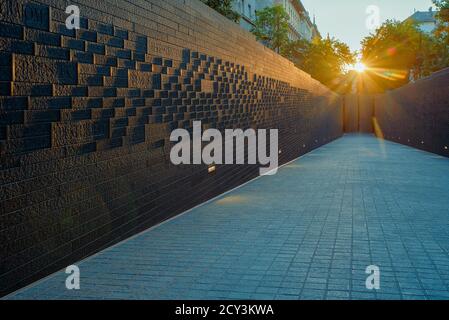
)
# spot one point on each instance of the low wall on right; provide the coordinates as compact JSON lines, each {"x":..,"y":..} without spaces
{"x":417,"y":114}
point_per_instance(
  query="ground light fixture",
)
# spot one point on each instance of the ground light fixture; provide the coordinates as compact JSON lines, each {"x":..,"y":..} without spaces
{"x":211,"y":169}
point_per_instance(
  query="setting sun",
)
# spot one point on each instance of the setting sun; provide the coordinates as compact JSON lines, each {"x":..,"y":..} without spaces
{"x":359,"y":67}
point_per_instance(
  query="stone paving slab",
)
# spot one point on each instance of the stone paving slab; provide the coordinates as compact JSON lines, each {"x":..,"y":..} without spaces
{"x":308,"y":232}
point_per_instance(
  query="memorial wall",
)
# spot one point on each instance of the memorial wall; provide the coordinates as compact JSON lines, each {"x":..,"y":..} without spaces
{"x":86,"y":117}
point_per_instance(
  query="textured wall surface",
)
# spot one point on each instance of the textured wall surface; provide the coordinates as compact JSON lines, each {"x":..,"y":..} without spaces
{"x":417,"y":114}
{"x":358,"y":113}
{"x":85,"y":119}
{"x":351,"y":113}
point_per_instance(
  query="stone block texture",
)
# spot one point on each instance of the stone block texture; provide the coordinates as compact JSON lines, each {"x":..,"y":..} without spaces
{"x":358,"y":110}
{"x":86,"y":116}
{"x":417,"y":114}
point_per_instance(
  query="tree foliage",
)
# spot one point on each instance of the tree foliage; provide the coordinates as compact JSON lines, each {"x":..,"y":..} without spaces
{"x":442,"y":30}
{"x":224,"y":7}
{"x":271,"y":27}
{"x":324,"y":59}
{"x":398,"y":49}
{"x":393,"y":45}
{"x":443,"y":10}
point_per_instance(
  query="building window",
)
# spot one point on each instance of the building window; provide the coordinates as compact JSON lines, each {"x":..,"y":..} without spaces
{"x":249,"y":11}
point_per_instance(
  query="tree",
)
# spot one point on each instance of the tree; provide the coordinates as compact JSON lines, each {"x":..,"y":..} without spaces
{"x":224,"y":7}
{"x":397,"y":49}
{"x":324,"y":59}
{"x":442,"y":34}
{"x":271,"y":27}
{"x":442,"y":30}
{"x":443,"y":13}
{"x":296,"y":51}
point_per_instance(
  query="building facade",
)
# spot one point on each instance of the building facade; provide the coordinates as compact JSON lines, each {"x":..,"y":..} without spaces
{"x":247,"y":10}
{"x":426,"y":20}
{"x":300,"y":24}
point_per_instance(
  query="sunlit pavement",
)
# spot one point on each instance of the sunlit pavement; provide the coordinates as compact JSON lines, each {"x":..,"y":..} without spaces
{"x":308,"y":232}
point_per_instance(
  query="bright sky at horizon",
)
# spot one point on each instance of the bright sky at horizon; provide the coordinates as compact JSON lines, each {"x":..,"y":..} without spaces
{"x":346,"y":19}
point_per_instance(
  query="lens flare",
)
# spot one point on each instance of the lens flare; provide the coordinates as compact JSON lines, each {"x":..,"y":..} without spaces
{"x":359,"y":67}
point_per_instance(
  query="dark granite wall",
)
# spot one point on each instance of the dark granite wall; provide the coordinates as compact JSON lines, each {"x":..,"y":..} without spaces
{"x":86,"y":115}
{"x":417,"y":114}
{"x":358,"y":113}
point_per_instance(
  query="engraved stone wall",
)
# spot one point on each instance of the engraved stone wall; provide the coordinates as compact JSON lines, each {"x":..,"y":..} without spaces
{"x":86,"y":115}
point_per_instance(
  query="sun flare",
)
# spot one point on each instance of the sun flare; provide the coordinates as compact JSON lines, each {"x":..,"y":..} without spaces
{"x":359,"y":67}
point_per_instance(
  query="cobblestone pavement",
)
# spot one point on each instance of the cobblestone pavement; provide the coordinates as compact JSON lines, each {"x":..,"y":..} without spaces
{"x":308,"y":232}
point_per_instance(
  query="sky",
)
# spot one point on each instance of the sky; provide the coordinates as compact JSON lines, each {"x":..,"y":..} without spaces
{"x":346,"y":19}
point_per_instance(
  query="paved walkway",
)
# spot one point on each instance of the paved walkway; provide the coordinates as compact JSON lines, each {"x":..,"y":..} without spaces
{"x":308,"y":232}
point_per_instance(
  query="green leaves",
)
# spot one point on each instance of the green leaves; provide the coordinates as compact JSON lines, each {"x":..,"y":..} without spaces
{"x":442,"y":30}
{"x":271,"y":27}
{"x":224,"y":7}
{"x":395,"y":44}
{"x":325,"y":60}
{"x":402,"y":48}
